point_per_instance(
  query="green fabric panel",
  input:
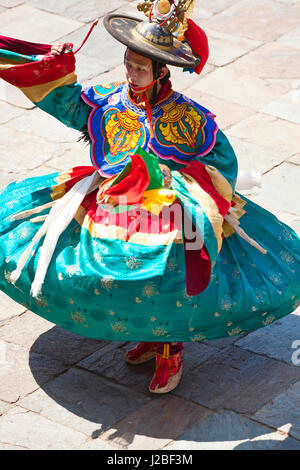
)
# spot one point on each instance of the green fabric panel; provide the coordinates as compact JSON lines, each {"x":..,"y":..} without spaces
{"x":66,"y":105}
{"x":4,"y":54}
{"x":154,"y":171}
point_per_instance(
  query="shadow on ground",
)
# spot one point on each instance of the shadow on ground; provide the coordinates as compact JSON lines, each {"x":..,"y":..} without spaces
{"x":97,"y":393}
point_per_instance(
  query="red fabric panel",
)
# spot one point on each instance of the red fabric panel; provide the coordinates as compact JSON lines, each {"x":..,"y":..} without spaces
{"x":197,"y":171}
{"x":133,"y":185}
{"x":198,"y":41}
{"x":198,"y":270}
{"x":43,"y":71}
{"x":23,"y":47}
{"x":77,"y":174}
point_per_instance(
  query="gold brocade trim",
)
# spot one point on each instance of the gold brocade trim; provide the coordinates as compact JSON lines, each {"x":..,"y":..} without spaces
{"x":208,"y":205}
{"x":38,"y":92}
{"x":9,"y":63}
{"x":59,"y":190}
{"x":113,"y":231}
{"x":153,"y":239}
{"x":220,"y":182}
{"x":236,"y":213}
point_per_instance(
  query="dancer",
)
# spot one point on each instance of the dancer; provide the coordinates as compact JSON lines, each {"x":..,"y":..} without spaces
{"x":151,"y":243}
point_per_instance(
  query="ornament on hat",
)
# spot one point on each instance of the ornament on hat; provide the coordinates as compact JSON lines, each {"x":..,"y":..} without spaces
{"x":173,"y":14}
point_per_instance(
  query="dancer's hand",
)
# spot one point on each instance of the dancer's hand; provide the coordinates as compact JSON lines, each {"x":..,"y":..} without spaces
{"x":60,"y":47}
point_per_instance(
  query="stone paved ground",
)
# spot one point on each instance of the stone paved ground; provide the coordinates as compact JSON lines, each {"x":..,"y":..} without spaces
{"x":61,"y":391}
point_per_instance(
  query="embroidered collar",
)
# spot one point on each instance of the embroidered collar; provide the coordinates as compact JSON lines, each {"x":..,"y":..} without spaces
{"x":132,"y":106}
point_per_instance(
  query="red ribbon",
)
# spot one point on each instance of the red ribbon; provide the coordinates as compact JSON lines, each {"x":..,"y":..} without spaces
{"x":198,"y":41}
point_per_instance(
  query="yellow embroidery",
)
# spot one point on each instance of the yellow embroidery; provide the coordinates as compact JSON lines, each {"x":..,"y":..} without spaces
{"x":160,"y":331}
{"x":78,"y":317}
{"x":269,"y":320}
{"x":123,"y":132}
{"x":180,"y":124}
{"x":133,"y":263}
{"x":235,"y":331}
{"x":118,"y":327}
{"x":149,"y":290}
{"x":107,"y":282}
{"x":42,"y":302}
{"x":198,"y":338}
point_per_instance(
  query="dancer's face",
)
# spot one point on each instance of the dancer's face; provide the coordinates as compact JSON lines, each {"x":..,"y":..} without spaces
{"x":138,"y":69}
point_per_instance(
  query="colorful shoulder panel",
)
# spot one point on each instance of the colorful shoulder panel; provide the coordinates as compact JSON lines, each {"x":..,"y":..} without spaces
{"x":115,"y":130}
{"x":183,"y":130}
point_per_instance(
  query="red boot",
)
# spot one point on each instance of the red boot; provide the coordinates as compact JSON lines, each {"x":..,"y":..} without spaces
{"x":168,"y":371}
{"x":143,"y":352}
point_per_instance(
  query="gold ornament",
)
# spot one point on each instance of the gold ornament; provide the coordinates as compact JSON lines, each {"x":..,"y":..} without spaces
{"x":177,"y":22}
{"x":164,"y":7}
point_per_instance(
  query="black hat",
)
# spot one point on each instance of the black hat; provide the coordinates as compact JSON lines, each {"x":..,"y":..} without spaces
{"x":151,"y":38}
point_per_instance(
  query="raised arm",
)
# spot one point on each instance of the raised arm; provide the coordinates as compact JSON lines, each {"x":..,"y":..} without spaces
{"x":64,"y":102}
{"x":46,"y":75}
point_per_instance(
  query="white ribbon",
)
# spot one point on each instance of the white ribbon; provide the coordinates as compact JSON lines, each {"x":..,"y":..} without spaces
{"x":58,"y":219}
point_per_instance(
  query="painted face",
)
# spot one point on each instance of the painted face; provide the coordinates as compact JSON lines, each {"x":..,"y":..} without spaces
{"x":138,"y":69}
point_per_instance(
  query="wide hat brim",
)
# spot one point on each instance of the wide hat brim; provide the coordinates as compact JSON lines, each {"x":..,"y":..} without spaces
{"x":124,"y":29}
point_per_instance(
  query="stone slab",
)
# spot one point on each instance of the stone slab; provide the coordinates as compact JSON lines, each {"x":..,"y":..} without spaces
{"x":292,"y":38}
{"x":5,"y":180}
{"x":238,"y":380}
{"x":30,"y":152}
{"x":228,"y":431}
{"x":86,"y":11}
{"x":22,"y":173}
{"x":195,"y":354}
{"x":286,"y":107}
{"x":12,"y":447}
{"x":11,"y":3}
{"x":23,"y":372}
{"x":11,"y":95}
{"x":8,"y":112}
{"x":283,"y":412}
{"x":268,"y":131}
{"x":254,"y":156}
{"x":289,"y":444}
{"x":40,"y":336}
{"x":154,"y":425}
{"x":84,"y":402}
{"x":87,"y":67}
{"x":276,"y":182}
{"x":226,"y":48}
{"x":9,"y":308}
{"x":97,"y":444}
{"x":214,"y":7}
{"x":245,"y":90}
{"x":295,"y":159}
{"x":109,"y":362}
{"x":115,"y":74}
{"x":32,"y":24}
{"x":227,"y":114}
{"x":70,"y":155}
{"x":262,"y":20}
{"x":21,"y":428}
{"x":106,"y":51}
{"x":4,"y":407}
{"x":274,"y":340}
{"x":41,"y":125}
{"x":272,"y":60}
{"x":183,"y":81}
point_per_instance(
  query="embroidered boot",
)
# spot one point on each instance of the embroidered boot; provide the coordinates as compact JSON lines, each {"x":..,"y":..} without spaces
{"x":143,"y":352}
{"x":168,"y":371}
